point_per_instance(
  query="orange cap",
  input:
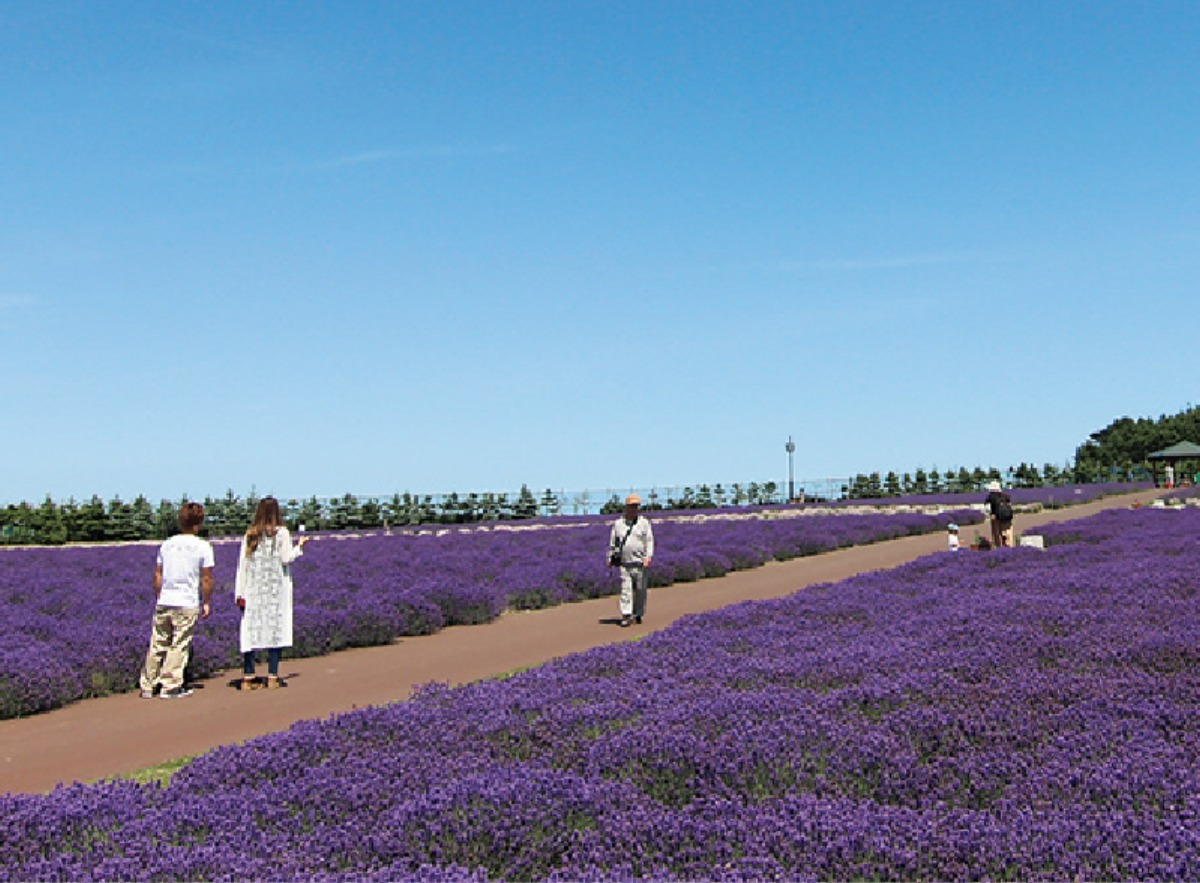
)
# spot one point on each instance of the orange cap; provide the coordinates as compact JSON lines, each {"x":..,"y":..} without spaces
{"x":633,"y":500}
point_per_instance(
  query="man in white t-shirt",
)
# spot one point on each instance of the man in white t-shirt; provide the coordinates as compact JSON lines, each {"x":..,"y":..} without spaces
{"x":183,"y":583}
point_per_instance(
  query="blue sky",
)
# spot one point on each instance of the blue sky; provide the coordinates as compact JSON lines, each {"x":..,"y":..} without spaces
{"x":319,"y":248}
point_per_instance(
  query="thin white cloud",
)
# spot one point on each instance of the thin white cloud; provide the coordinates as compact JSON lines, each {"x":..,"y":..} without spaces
{"x":850,"y":265}
{"x":348,"y":161}
{"x":890,"y":262}
{"x":372,"y":157}
{"x":208,"y":40}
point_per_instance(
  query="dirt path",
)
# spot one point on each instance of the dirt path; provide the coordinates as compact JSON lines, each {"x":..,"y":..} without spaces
{"x":121,"y":734}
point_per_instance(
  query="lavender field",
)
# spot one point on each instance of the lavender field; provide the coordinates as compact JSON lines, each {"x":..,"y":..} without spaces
{"x":1017,"y":714}
{"x":1014,"y":715}
{"x":74,"y":622}
{"x":1050,"y":497}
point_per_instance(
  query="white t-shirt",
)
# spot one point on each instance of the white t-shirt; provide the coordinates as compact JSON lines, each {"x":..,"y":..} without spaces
{"x":181,"y":558}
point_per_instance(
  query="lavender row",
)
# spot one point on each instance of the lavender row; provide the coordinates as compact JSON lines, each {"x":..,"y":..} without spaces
{"x":75,"y":620}
{"x":1016,"y":715}
{"x":1050,"y":497}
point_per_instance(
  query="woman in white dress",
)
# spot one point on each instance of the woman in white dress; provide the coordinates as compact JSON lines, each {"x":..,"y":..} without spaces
{"x":263,"y":589}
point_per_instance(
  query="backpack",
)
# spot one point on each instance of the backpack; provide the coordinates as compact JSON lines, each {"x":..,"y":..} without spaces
{"x":1002,"y":508}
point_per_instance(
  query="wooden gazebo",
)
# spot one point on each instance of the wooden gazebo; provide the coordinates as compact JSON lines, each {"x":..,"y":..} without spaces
{"x":1184,"y":450}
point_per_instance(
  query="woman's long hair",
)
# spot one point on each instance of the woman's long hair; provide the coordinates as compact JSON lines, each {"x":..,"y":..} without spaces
{"x":267,"y":520}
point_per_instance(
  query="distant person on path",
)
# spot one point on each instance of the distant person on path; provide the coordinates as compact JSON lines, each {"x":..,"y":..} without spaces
{"x":952,"y":537}
{"x":631,"y":548}
{"x":263,"y":591}
{"x":183,"y":584}
{"x":999,"y":505}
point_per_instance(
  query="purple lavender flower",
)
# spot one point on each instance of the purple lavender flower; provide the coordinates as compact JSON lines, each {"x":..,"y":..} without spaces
{"x":361,"y":590}
{"x":1023,"y":714}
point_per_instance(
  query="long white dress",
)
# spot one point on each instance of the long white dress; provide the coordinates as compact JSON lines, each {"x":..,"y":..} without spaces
{"x":264,"y":579}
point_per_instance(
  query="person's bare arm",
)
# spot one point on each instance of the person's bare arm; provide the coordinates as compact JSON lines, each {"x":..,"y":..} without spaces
{"x":206,"y":590}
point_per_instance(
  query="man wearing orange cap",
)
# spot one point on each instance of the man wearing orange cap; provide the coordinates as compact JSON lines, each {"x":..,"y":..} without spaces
{"x":631,"y":548}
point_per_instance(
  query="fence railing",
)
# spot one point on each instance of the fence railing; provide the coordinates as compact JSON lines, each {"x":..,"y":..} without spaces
{"x":592,"y":501}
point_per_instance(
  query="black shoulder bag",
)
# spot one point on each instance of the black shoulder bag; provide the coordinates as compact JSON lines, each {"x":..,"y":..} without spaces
{"x":614,"y":556}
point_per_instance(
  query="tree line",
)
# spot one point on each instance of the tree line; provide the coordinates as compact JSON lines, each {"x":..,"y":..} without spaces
{"x":1116,"y":453}
{"x":961,"y":481}
{"x":1125,"y":444}
{"x":115,"y":520}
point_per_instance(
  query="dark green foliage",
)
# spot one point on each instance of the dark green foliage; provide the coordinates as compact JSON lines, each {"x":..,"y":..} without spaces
{"x":1124,"y":444}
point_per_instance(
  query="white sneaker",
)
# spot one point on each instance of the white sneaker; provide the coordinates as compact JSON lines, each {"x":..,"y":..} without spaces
{"x":176,"y":694}
{"x":147,"y":694}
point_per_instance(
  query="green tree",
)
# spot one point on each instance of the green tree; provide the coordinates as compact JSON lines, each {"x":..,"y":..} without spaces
{"x":1026,"y":476}
{"x":227,"y":516}
{"x":1126,"y":443}
{"x":312,"y":515}
{"x":93,"y":520}
{"x":526,"y":503}
{"x":859,"y":488}
{"x":19,"y":524}
{"x":142,"y":521}
{"x":371,"y":514}
{"x":345,"y":513}
{"x":489,"y":507}
{"x":166,"y":519}
{"x":962,"y":481}
{"x":48,"y":525}
{"x":69,"y":512}
{"x":450,"y":509}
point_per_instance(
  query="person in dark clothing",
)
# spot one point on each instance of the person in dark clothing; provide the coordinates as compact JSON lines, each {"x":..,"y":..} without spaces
{"x":999,"y":506}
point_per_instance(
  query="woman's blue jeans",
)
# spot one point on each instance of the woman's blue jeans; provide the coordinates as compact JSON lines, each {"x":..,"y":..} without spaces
{"x":273,"y":655}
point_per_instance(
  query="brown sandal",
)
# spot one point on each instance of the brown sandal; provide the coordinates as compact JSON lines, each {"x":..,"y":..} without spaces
{"x":249,"y":684}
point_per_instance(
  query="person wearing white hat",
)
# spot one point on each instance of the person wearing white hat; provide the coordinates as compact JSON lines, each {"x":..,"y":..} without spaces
{"x":952,"y":534}
{"x":631,"y":548}
{"x":999,"y":506}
